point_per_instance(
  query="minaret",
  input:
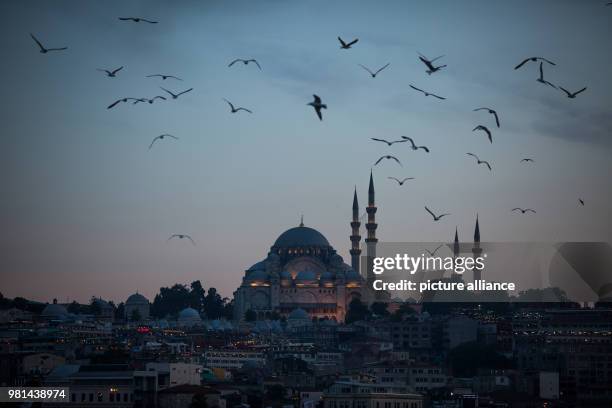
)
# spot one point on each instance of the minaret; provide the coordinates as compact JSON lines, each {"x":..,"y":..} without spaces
{"x":355,"y":237}
{"x":371,"y":228}
{"x":476,"y":250}
{"x":456,"y":250}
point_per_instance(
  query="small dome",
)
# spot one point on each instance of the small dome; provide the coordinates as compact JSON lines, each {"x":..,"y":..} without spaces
{"x":189,"y":313}
{"x":285,"y":275}
{"x":298,"y":314}
{"x":135,"y":299}
{"x":258,"y":276}
{"x":327,"y":276}
{"x":352,"y":276}
{"x":306,"y":276}
{"x":301,"y":237}
{"x":259,"y":266}
{"x":55,"y":311}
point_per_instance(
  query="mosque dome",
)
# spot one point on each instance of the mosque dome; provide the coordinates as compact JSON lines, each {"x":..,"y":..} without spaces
{"x":352,"y":276}
{"x":136,"y":299}
{"x":285,"y":275}
{"x":258,"y":275}
{"x":298,"y":314}
{"x":306,"y":276}
{"x":259,"y":266}
{"x":189,"y":313}
{"x":301,"y":237}
{"x":55,"y":311}
{"x":327,"y":276}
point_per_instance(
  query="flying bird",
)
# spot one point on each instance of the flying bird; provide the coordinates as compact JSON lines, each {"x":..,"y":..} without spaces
{"x":572,"y":95}
{"x":44,"y":50}
{"x":139,"y":100}
{"x":373,"y":74}
{"x":137,"y":20}
{"x":429,"y":63}
{"x":175,"y":96}
{"x":111,"y":73}
{"x":402,"y":181}
{"x":580,"y":200}
{"x":435,"y":217}
{"x":161,"y":137}
{"x":345,"y":45}
{"x":389,"y":143}
{"x":523,"y":210}
{"x":527,"y":159}
{"x":164,"y":76}
{"x":413,"y":146}
{"x":534,"y":59}
{"x":480,"y":161}
{"x":245,"y":62}
{"x":388,"y":157}
{"x":426,"y":93}
{"x":182,"y":236}
{"x":432,"y":253}
{"x":317,"y":105}
{"x":492,"y":112}
{"x":234,"y":110}
{"x":541,"y":78}
{"x":122,"y":100}
{"x":486,"y":130}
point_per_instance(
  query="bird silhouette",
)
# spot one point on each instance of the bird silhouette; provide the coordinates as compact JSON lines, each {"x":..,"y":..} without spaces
{"x":152,"y":99}
{"x":245,"y":62}
{"x":44,"y":50}
{"x":429,"y":63}
{"x":161,"y":137}
{"x":175,"y":96}
{"x":534,"y":59}
{"x":572,"y":95}
{"x":492,"y":112}
{"x":373,"y":74}
{"x":523,"y":210}
{"x":541,"y":78}
{"x":436,"y":217}
{"x":480,"y":161}
{"x":402,"y":181}
{"x":122,"y":100}
{"x":426,"y":93}
{"x":527,"y":159}
{"x":182,"y":236}
{"x":137,"y":20}
{"x":388,"y":157}
{"x":389,"y":143}
{"x":164,"y":76}
{"x":111,"y":73}
{"x":432,"y":253}
{"x":580,"y":200}
{"x":234,"y":110}
{"x":317,"y":105}
{"x":486,"y":130}
{"x":413,"y":146}
{"x":345,"y":45}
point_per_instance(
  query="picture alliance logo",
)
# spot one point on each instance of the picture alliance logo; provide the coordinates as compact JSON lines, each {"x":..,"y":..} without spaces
{"x":412,"y":264}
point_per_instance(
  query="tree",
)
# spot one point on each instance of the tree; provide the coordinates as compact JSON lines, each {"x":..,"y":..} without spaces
{"x":199,"y":401}
{"x":379,"y":309}
{"x":228,"y":308}
{"x":135,"y":315}
{"x":197,"y":296}
{"x":120,"y":311}
{"x":94,"y":307}
{"x":357,"y":311}
{"x":74,"y":307}
{"x":250,"y":316}
{"x":213,"y":304}
{"x":171,"y":300}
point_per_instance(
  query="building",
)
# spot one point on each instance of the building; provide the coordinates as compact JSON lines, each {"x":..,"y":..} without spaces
{"x":137,"y":307}
{"x":303,"y":271}
{"x":356,"y":394}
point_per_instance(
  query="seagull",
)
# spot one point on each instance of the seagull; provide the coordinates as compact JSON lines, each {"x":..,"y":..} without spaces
{"x":164,"y":76}
{"x":161,"y":137}
{"x":524,"y":210}
{"x":44,"y":50}
{"x":112,"y":105}
{"x":317,"y":105}
{"x":414,"y":146}
{"x":110,"y":73}
{"x":572,"y":95}
{"x":402,"y":181}
{"x":486,"y":130}
{"x":388,"y":158}
{"x":234,"y":110}
{"x":175,"y":96}
{"x":426,"y":93}
{"x":435,"y":217}
{"x":149,"y":100}
{"x":137,"y":20}
{"x":527,"y":159}
{"x":492,"y":112}
{"x":533,"y":59}
{"x":182,"y":236}
{"x":346,"y":46}
{"x":480,"y":161}
{"x":374,"y":73}
{"x":580,"y":200}
{"x":541,"y":78}
{"x":245,"y":62}
{"x":434,"y":251}
{"x":429,"y":63}
{"x":389,"y":143}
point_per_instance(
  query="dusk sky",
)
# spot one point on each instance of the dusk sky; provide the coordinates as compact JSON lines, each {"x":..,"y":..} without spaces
{"x":86,"y":208}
